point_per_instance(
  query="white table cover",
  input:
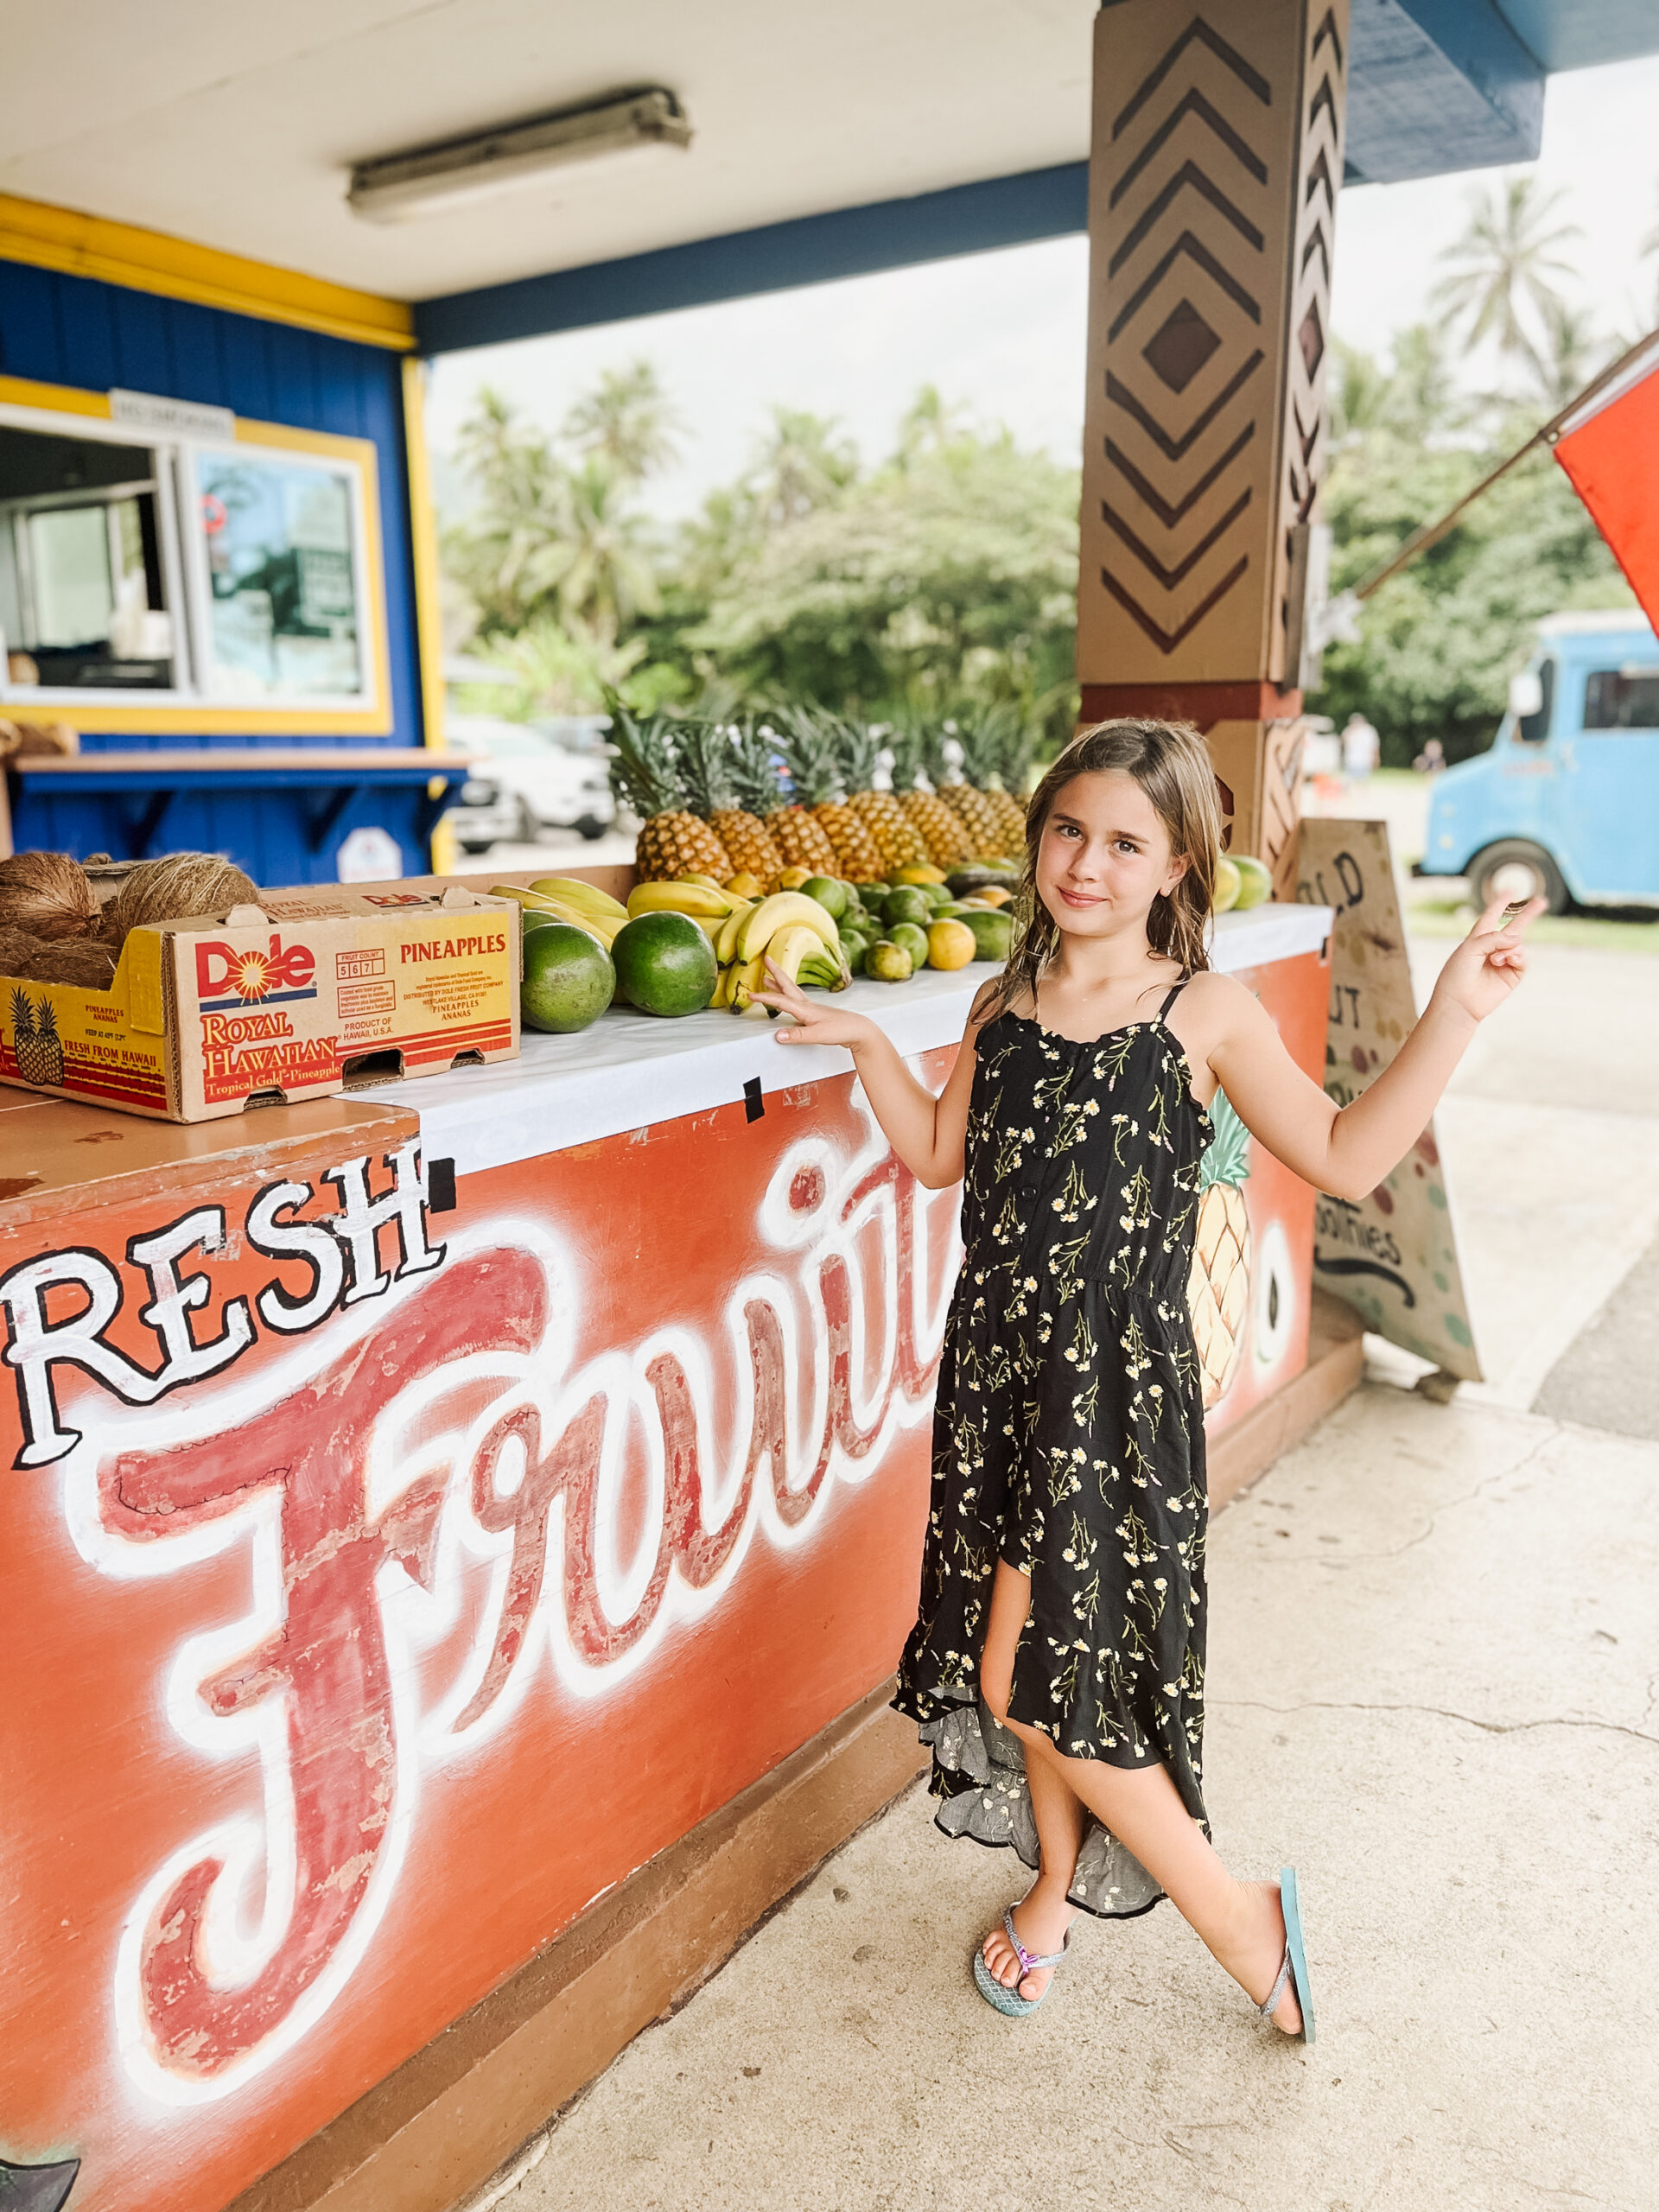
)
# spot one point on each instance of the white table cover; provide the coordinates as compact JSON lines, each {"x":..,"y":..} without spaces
{"x":630,"y":1069}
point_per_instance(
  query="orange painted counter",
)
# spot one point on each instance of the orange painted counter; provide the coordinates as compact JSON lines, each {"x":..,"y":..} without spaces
{"x":419,"y":1511}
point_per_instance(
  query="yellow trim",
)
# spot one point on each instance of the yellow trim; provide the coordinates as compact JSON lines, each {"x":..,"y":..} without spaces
{"x":374,"y":719}
{"x":204,"y":722}
{"x":429,"y":592}
{"x":149,"y":261}
{"x":423,"y":539}
{"x":52,"y":399}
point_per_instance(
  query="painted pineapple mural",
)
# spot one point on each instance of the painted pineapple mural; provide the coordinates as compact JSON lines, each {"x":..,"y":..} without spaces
{"x":1218,"y":1289}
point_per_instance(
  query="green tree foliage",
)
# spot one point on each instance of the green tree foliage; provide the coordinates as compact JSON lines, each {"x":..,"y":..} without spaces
{"x":941,"y":581}
{"x":556,"y":564}
{"x":948,"y":572}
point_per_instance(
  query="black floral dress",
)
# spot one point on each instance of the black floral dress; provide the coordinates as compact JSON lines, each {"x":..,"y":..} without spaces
{"x":1068,"y":1437}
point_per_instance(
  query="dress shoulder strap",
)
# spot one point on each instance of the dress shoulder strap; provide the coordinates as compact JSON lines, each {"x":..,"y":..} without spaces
{"x":1175,"y":990}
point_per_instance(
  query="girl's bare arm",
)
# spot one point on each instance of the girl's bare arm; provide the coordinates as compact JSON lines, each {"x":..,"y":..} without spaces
{"x":928,"y":1134}
{"x":1349,"y":1152}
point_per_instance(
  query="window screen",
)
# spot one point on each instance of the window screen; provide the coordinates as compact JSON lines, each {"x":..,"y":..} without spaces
{"x":284,"y":620}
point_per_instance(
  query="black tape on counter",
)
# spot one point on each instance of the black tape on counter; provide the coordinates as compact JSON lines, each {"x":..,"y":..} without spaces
{"x":753,"y":1104}
{"x":441,"y":1186}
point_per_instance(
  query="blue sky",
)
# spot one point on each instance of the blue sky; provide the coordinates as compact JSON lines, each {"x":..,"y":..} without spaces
{"x":1002,"y":334}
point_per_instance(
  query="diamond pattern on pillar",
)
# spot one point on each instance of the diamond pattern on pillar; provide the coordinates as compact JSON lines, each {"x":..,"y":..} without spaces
{"x":1179,"y":347}
{"x":1180,"y":466}
{"x":1216,"y":156}
{"x":1311,"y":339}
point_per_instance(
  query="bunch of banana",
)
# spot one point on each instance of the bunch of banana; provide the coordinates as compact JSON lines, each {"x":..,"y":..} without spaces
{"x":565,"y":899}
{"x":698,"y":897}
{"x":792,"y":931}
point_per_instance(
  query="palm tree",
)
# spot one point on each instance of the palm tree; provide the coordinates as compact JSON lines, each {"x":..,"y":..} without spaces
{"x":1501,"y":267}
{"x":802,"y":465}
{"x":1571,"y":355}
{"x":931,"y":423}
{"x":1359,"y":390}
{"x":627,"y":419}
{"x":597,"y":562}
{"x":1422,"y":391}
{"x":521,"y":484}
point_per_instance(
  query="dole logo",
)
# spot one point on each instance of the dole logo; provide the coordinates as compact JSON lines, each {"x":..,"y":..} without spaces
{"x":227,"y":975}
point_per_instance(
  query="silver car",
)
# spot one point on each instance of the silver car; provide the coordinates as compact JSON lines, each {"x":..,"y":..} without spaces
{"x":528,"y":777}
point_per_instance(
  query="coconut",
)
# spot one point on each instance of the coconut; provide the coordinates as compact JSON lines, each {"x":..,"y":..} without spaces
{"x":174,"y":889}
{"x":47,"y":895}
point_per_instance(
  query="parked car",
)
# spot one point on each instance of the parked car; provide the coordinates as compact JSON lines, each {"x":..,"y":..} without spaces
{"x":528,"y":777}
{"x":1564,"y":806}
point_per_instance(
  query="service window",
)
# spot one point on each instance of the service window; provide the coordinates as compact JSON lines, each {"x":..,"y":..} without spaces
{"x":1621,"y":698}
{"x":174,"y":577}
{"x":85,"y":603}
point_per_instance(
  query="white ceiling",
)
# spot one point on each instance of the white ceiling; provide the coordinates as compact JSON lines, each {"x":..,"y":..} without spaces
{"x":234,"y":124}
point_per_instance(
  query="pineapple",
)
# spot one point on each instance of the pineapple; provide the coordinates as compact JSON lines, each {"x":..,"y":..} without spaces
{"x":814,"y":770}
{"x":985,"y":739}
{"x":801,"y":841}
{"x":741,"y":826}
{"x":1016,"y":751}
{"x":896,"y":838}
{"x":23,"y":1050}
{"x":981,"y":824}
{"x":933,"y":821}
{"x":645,"y":775}
{"x":1217,"y":1289}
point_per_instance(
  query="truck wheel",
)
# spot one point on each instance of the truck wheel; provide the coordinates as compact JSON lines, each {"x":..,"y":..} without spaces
{"x":589,"y":827}
{"x":1514,"y":869}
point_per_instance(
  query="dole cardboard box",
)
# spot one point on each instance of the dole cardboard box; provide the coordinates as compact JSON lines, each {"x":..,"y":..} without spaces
{"x":314,"y":990}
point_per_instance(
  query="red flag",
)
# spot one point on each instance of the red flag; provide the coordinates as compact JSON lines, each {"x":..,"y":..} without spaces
{"x":1610,"y":450}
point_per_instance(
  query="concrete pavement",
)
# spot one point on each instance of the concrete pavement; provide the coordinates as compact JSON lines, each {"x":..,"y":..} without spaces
{"x":1434,"y":1683}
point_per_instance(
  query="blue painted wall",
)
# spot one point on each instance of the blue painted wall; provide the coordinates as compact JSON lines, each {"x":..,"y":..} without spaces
{"x":74,"y":330}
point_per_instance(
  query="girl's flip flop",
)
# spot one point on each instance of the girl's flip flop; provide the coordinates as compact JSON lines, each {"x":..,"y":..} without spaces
{"x":1294,"y":1965}
{"x":1007,"y":2001}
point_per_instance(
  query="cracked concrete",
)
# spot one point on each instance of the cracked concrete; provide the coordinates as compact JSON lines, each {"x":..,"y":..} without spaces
{"x":1434,"y":1684}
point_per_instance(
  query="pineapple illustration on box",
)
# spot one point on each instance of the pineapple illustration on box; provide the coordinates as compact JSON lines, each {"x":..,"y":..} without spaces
{"x":36,"y":1046}
{"x":22,"y":1035}
{"x":1218,"y":1288}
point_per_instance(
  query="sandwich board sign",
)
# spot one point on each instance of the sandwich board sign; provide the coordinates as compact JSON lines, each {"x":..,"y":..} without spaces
{"x":1393,"y":1256}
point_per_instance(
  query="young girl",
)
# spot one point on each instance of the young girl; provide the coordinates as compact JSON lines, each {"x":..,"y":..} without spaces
{"x":1057,"y":1665}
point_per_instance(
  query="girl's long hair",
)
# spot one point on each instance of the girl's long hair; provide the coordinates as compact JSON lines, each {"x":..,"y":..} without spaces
{"x":1171,"y":765}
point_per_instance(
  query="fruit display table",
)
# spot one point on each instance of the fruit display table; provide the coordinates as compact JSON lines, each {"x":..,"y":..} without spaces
{"x":427,"y":1507}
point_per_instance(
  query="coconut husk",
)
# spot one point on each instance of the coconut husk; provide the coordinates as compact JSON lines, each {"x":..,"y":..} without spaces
{"x":47,"y":895}
{"x":173,"y":889}
{"x":80,"y":961}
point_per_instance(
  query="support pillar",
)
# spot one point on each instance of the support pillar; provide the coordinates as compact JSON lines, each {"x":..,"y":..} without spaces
{"x":1214,"y":169}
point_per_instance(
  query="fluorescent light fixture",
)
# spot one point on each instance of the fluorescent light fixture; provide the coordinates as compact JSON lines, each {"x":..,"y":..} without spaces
{"x":398,"y":186}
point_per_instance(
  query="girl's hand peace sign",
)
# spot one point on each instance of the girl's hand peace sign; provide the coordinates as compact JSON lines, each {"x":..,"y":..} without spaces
{"x":1490,"y":963}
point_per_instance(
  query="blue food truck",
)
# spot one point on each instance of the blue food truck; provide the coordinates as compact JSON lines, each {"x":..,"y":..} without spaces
{"x":1565,"y":805}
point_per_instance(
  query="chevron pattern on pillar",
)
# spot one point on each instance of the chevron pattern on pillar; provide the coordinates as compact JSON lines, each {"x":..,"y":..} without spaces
{"x":1198,"y":131}
{"x":1319,"y":175}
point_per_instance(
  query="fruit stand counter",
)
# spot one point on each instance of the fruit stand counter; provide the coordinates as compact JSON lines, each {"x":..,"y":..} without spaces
{"x":406,"y":1541}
